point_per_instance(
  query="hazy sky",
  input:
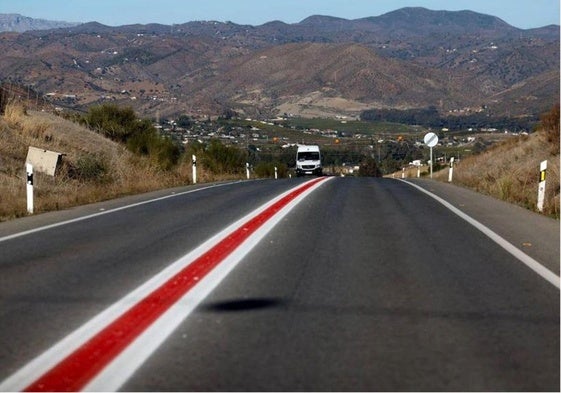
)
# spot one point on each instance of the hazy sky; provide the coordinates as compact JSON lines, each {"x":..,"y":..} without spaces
{"x":520,"y":13}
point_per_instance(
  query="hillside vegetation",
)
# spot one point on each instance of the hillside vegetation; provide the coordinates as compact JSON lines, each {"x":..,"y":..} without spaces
{"x":94,"y":168}
{"x":510,"y":170}
{"x":457,"y":61}
{"x":118,"y":154}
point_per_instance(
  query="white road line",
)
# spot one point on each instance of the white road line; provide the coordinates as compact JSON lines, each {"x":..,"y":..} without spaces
{"x":122,"y":368}
{"x":104,"y":212}
{"x":124,"y":365}
{"x":537,"y":267}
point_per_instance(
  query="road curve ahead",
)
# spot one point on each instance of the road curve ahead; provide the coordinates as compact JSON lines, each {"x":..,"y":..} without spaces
{"x":323,"y":284}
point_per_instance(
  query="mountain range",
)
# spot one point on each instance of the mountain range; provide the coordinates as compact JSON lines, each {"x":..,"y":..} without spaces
{"x":457,"y":61}
{"x":20,"y":23}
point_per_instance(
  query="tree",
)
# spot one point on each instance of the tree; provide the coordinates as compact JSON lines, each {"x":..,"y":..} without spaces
{"x":369,"y":167}
{"x":184,"y":121}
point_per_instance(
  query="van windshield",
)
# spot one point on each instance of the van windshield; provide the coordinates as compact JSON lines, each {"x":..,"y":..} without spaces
{"x":308,"y":156}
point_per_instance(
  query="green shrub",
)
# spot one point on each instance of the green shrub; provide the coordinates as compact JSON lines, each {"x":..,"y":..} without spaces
{"x":162,"y":152}
{"x":369,"y":167}
{"x":550,"y":125}
{"x":267,"y":169}
{"x":221,"y":159}
{"x":3,"y":100}
{"x":141,"y":142}
{"x":90,"y":168}
{"x":114,"y":122}
{"x":140,"y":136}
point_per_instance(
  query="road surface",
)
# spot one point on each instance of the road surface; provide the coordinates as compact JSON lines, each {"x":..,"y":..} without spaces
{"x":353,"y":284}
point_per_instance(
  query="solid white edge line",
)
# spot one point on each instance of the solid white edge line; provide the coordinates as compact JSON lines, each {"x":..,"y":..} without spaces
{"x":537,"y":267}
{"x":104,"y":212}
{"x":35,"y":368}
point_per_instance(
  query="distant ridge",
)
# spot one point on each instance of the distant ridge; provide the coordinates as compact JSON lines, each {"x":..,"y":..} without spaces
{"x":456,"y":61}
{"x":19,"y":23}
{"x":418,"y":17}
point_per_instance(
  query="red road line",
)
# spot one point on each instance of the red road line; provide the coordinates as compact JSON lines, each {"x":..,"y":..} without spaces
{"x":75,"y":371}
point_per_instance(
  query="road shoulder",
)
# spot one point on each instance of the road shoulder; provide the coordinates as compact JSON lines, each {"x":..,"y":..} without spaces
{"x":536,"y":235}
{"x":45,"y":219}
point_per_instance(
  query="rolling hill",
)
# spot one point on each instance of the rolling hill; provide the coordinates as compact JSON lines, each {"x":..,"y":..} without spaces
{"x":322,"y":66}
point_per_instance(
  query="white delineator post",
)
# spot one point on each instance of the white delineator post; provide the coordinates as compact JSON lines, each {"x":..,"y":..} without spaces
{"x":29,"y":171}
{"x":541,"y":186}
{"x":247,"y":170}
{"x":276,"y":173}
{"x":451,"y":171}
{"x":194,"y":157}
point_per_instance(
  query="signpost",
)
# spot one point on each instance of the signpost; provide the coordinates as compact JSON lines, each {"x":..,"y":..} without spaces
{"x":44,"y":160}
{"x":431,"y":139}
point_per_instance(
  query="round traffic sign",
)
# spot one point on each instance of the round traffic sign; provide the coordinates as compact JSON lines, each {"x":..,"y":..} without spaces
{"x":431,"y":139}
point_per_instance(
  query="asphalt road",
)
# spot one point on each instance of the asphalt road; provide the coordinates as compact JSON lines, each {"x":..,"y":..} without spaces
{"x":366,"y":284}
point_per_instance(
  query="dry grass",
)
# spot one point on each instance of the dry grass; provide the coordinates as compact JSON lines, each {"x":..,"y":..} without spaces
{"x":126,"y":174}
{"x":510,"y":171}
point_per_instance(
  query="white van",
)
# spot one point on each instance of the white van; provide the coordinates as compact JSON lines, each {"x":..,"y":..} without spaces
{"x":308,"y":160}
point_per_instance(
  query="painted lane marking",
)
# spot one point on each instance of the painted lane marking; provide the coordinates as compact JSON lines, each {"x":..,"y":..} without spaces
{"x":103,"y":212}
{"x":102,"y":354}
{"x":537,"y":267}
